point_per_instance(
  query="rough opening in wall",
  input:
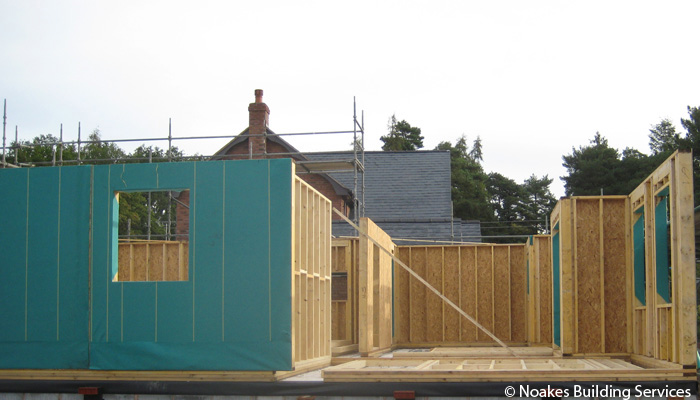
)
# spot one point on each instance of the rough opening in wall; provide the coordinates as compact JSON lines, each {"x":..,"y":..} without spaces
{"x":663,"y":254}
{"x":152,"y":235}
{"x":640,"y":276}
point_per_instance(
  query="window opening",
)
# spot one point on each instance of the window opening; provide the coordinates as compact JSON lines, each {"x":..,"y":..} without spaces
{"x":640,"y":276}
{"x":663,"y":255}
{"x":153,"y":235}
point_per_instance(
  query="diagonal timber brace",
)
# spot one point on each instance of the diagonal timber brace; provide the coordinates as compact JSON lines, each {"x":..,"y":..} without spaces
{"x":428,"y":285}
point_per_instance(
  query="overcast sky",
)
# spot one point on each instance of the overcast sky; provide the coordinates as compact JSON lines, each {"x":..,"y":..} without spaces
{"x":531,"y":78}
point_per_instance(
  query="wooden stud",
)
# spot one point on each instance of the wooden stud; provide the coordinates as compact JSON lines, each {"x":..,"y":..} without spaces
{"x":601,"y":249}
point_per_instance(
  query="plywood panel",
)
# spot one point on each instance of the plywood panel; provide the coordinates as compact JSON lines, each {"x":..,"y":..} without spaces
{"x":468,"y":291}
{"x":418,"y":296}
{"x":615,"y":277}
{"x":501,"y":292}
{"x":587,"y":275}
{"x":402,"y":297}
{"x":545,"y":288}
{"x":518,"y":303}
{"x":452,"y":291}
{"x":484,"y":258}
{"x":155,"y":271}
{"x":434,"y":305}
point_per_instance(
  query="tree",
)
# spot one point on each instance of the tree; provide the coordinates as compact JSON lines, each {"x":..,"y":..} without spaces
{"x":598,"y":167}
{"x":402,"y":136}
{"x":43,"y":149}
{"x":99,"y":152}
{"x":692,"y":128}
{"x":591,"y":169}
{"x":539,"y":201}
{"x":468,"y":179}
{"x":663,"y":137}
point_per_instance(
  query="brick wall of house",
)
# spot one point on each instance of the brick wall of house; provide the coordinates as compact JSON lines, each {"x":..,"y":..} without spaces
{"x":256,"y":146}
{"x":318,"y":182}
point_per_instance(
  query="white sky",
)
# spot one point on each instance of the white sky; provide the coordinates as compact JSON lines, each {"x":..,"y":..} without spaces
{"x":532,"y":78}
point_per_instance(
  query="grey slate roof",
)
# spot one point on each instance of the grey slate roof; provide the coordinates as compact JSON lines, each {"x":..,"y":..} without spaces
{"x":400,"y":185}
{"x":407,"y":193}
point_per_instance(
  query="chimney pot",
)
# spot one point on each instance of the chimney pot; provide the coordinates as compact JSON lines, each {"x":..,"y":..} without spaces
{"x":258,"y":95}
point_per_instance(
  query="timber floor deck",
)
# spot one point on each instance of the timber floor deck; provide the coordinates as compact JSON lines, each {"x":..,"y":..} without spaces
{"x":533,"y":364}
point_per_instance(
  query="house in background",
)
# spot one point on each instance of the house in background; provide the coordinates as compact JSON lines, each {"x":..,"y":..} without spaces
{"x":258,"y":141}
{"x":406,"y":193}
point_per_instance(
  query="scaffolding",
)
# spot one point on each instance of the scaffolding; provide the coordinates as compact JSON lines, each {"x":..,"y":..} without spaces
{"x":304,"y":165}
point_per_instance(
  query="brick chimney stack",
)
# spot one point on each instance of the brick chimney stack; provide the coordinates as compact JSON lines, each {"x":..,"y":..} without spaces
{"x":259,"y":119}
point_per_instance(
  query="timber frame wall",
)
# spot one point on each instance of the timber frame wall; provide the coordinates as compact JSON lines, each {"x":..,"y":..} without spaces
{"x":488,"y":281}
{"x":664,"y":320}
{"x":539,"y":294}
{"x":344,"y":260}
{"x":624,"y":269}
{"x":375,"y":290}
{"x":595,"y":276}
{"x":311,"y":288}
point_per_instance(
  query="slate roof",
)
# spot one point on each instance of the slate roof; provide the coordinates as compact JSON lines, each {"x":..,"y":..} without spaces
{"x":400,"y":185}
{"x":407,"y":193}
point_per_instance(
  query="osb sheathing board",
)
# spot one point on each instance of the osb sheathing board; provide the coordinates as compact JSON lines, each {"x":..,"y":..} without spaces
{"x":595,"y":229}
{"x":344,"y":255}
{"x":667,"y":330}
{"x":487,"y":281}
{"x":153,"y":260}
{"x":540,"y":289}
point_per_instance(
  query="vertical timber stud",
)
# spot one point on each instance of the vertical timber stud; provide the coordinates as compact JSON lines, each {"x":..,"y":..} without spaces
{"x":650,"y":246}
{"x":684,"y":249}
{"x":601,"y":204}
{"x":629,"y":276}
{"x":366,"y":286}
{"x":566,"y":277}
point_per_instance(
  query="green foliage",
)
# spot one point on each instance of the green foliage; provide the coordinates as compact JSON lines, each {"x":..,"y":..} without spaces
{"x":99,"y":152}
{"x":519,"y":209}
{"x":133,"y":206}
{"x":600,"y":168}
{"x":41,"y":149}
{"x":402,"y":136}
{"x":469,"y":195}
{"x":692,"y":128}
{"x":502,"y":205}
{"x":590,"y":169}
{"x":663,"y":137}
{"x":133,"y":214}
{"x":540,"y":202}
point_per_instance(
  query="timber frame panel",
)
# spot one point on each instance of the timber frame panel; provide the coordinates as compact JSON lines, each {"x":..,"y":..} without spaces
{"x":311,"y":287}
{"x":664,"y":329}
{"x":595,"y":273}
{"x":539,"y":289}
{"x":344,"y":261}
{"x":375,"y":290}
{"x":487,"y":281}
{"x":627,"y":269}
